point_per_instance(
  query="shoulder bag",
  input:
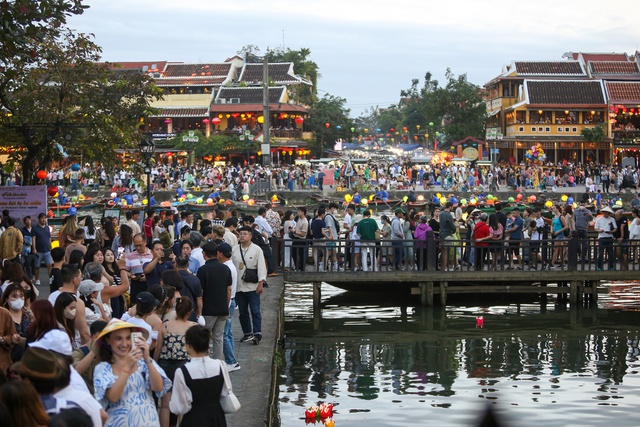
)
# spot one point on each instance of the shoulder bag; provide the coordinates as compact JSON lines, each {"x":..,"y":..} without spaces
{"x":250,"y":275}
{"x":230,"y":402}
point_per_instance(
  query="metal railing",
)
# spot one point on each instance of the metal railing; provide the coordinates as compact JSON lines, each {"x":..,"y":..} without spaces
{"x":571,"y":253}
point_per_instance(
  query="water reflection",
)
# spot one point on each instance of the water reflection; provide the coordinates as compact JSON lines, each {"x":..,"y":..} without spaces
{"x":394,"y":364}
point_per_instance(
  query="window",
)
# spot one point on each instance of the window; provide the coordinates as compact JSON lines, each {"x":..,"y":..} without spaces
{"x":533,"y":128}
{"x":566,"y":130}
{"x":574,"y":130}
{"x":540,"y":129}
{"x":547,"y":129}
{"x":521,"y":129}
{"x":559,"y":129}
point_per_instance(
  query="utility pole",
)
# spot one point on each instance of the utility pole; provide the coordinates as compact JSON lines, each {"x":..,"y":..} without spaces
{"x":266,"y":154}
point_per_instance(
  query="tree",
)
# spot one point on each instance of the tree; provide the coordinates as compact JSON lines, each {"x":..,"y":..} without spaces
{"x":329,"y":109}
{"x":24,"y":21}
{"x":66,"y":101}
{"x":594,"y":134}
{"x":211,"y":146}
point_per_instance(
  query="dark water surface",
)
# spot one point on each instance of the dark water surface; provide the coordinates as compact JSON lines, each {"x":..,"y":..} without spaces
{"x":391,"y":363}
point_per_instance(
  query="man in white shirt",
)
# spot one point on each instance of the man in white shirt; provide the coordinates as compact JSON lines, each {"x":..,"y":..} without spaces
{"x":605,"y":226}
{"x":71,"y":279}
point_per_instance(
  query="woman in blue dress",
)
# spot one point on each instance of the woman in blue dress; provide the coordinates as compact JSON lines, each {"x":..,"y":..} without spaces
{"x":126,"y":376}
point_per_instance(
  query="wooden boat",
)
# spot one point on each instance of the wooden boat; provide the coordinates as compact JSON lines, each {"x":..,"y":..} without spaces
{"x":417,"y":205}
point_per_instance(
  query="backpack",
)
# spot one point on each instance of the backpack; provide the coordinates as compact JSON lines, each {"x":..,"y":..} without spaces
{"x":581,"y":219}
{"x":337,"y":224}
{"x":257,"y":238}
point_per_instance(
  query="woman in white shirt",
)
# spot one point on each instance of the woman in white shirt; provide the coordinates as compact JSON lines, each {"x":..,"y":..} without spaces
{"x":199,"y":384}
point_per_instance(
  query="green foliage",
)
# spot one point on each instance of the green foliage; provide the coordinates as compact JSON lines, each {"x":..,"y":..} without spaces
{"x":66,"y":97}
{"x":26,"y":21}
{"x":594,"y":134}
{"x":211,"y":146}
{"x":456,"y":110}
{"x":329,"y":109}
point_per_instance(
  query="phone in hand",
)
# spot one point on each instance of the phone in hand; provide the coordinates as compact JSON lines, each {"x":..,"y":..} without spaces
{"x":134,"y":338}
{"x":120,"y":252}
{"x":167,"y":255}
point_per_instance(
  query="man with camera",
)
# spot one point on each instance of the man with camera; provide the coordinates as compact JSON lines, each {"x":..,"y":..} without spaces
{"x":161,"y":262}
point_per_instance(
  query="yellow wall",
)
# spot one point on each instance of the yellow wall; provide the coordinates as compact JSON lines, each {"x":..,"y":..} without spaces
{"x":193,"y":100}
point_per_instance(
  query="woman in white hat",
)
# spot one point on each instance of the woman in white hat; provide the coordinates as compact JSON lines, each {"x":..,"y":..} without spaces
{"x":126,"y":376}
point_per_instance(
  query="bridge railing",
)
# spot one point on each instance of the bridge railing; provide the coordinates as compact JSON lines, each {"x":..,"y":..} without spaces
{"x":571,"y":253}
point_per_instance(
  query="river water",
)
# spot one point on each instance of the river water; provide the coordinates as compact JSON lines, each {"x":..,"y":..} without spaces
{"x":390,"y":362}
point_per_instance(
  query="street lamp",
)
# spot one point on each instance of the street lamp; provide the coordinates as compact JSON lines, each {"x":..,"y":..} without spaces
{"x":147,"y":148}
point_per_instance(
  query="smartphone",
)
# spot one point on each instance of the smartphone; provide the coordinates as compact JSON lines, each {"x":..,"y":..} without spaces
{"x":134,"y":337}
{"x":120,"y":252}
{"x":167,"y":255}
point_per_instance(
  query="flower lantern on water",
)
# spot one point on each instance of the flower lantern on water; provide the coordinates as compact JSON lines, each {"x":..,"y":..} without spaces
{"x":245,"y":197}
{"x":251,"y":202}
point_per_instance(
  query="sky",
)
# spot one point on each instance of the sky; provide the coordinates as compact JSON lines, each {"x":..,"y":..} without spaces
{"x":366,"y":51}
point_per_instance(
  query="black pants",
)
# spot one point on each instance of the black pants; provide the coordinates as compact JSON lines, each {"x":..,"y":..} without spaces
{"x":481,"y":254}
{"x":299,"y":253}
{"x":583,"y":245}
{"x":606,"y":245}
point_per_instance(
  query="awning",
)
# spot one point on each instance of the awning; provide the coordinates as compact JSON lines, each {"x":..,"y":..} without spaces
{"x":241,"y":108}
{"x":493,"y":113}
{"x":183,"y":112}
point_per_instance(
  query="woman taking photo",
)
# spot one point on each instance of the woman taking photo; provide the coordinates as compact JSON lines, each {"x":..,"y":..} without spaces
{"x":171,"y":351}
{"x":123,"y":240}
{"x":199,"y":384}
{"x":126,"y":376}
{"x":120,"y":284}
{"x":13,"y":300}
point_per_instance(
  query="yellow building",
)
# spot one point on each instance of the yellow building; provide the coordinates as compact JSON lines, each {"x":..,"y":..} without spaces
{"x":550,"y":102}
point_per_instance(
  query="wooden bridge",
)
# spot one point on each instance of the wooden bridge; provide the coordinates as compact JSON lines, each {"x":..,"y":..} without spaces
{"x":576,"y":277}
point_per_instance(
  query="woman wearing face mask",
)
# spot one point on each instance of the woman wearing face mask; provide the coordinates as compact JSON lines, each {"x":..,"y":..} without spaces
{"x":66,"y":310}
{"x":13,"y":300}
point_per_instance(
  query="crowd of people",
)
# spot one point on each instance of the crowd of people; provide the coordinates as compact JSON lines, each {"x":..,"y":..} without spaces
{"x":136,"y":326}
{"x":462,"y":237}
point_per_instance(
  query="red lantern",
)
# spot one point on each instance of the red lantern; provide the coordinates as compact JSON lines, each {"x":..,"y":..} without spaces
{"x":167,"y":120}
{"x":392,"y":130}
{"x":52,"y":190}
{"x":41,"y":174}
{"x":327,"y":125}
{"x":415,"y":138}
{"x":216,"y":121}
{"x":404,"y":128}
{"x":299,"y":120}
{"x":205,"y":121}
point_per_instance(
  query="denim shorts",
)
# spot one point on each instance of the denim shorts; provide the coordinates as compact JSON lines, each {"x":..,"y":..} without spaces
{"x":44,"y":257}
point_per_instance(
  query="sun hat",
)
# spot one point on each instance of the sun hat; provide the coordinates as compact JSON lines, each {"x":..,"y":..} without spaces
{"x":55,"y":340}
{"x":87,"y":287}
{"x":116,"y":325}
{"x":607,"y":209}
{"x":357,"y":219}
{"x":37,"y":363}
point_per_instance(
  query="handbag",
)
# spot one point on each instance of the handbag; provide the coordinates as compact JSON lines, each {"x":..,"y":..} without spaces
{"x":230,"y":402}
{"x":250,"y":275}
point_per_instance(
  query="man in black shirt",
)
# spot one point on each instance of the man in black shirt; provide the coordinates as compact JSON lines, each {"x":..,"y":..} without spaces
{"x":621,"y":235}
{"x":192,"y":288}
{"x":215,"y":279}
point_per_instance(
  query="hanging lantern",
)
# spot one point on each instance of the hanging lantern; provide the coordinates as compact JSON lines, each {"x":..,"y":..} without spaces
{"x":242,"y":115}
{"x":260,"y":119}
{"x":415,"y":138}
{"x":299,"y":120}
{"x":249,"y":115}
{"x":216,"y":121}
{"x":338,"y":127}
{"x":220,"y":116}
{"x":205,"y":121}
{"x":418,"y":127}
{"x":366,"y":130}
{"x":430,"y":123}
{"x":404,"y":128}
{"x":353,"y":129}
{"x":392,"y":130}
{"x":41,"y":174}
{"x":327,"y":125}
{"x":167,"y":120}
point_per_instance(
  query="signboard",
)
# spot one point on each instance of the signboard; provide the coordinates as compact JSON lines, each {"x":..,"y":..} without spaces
{"x":23,"y":201}
{"x":470,"y":153}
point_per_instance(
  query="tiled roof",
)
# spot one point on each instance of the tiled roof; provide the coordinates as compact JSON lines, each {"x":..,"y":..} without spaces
{"x":549,"y":68}
{"x":623,"y":92}
{"x":152,"y":66}
{"x":613,"y":67}
{"x":280,"y":73}
{"x":193,"y":70}
{"x":565,"y":92}
{"x":184,"y":112}
{"x":604,"y":56}
{"x":186,"y":81}
{"x":248,"y":95}
{"x":241,"y":108}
